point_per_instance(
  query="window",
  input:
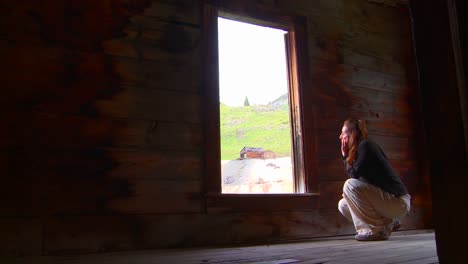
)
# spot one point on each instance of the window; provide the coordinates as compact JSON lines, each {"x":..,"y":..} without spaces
{"x":300,"y":115}
{"x":254,"y":109}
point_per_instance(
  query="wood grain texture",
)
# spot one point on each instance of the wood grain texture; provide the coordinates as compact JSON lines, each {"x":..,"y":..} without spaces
{"x":102,"y":144}
{"x":403,"y":247}
{"x":84,"y":234}
{"x":20,"y":237}
{"x":443,"y":118}
{"x":64,"y":132}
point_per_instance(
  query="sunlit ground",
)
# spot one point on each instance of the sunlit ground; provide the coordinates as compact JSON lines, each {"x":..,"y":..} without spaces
{"x":257,"y":176}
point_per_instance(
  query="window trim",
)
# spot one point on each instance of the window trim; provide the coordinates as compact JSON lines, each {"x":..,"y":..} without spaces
{"x":306,"y":193}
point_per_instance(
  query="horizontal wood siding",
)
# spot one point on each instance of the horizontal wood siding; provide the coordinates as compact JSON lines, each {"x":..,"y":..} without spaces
{"x":101,"y":139}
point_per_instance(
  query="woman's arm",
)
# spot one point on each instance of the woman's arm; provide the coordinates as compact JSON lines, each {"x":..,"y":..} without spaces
{"x":363,"y":154}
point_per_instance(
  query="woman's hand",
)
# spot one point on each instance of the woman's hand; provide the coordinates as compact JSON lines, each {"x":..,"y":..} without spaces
{"x":344,"y":146}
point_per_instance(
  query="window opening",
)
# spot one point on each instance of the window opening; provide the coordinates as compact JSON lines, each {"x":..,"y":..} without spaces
{"x":260,"y":142}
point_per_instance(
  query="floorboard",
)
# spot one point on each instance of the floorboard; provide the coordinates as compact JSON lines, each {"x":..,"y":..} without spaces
{"x":409,"y":247}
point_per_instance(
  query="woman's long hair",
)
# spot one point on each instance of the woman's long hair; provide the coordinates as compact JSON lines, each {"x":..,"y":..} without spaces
{"x":358,"y":131}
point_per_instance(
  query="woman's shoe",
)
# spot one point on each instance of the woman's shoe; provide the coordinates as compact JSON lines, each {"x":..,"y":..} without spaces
{"x":396,"y":225}
{"x":371,"y":237}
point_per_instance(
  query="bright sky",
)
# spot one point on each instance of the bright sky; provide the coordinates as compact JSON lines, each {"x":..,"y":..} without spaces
{"x":252,"y":63}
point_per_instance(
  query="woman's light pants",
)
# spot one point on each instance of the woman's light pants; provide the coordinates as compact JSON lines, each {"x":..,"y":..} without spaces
{"x":371,"y":209}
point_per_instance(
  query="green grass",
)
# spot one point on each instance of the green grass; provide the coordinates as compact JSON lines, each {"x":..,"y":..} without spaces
{"x":254,"y":126}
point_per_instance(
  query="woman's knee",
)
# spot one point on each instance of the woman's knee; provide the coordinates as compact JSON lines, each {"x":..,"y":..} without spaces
{"x":351,"y":185}
{"x":342,"y":206}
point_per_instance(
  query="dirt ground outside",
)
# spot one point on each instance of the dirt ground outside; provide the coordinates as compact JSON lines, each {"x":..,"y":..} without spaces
{"x":257,"y":176}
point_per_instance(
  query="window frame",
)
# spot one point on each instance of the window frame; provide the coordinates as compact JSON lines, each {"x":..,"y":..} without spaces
{"x":306,"y":184}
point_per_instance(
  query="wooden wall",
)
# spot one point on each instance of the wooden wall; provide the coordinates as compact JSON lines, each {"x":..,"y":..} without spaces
{"x":441,"y":56}
{"x":101,"y":133}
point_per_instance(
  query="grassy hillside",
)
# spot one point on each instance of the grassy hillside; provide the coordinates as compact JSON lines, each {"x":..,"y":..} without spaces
{"x":266,"y":126}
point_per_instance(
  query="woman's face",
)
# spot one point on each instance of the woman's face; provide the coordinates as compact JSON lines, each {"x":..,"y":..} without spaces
{"x":344,"y":133}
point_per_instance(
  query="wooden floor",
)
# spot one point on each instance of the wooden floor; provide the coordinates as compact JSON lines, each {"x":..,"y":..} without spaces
{"x":403,"y":247}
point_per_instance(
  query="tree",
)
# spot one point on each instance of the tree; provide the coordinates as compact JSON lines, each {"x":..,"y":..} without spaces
{"x":246,"y":102}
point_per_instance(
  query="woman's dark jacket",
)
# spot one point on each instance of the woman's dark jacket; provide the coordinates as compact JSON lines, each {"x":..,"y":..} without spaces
{"x":372,"y":165}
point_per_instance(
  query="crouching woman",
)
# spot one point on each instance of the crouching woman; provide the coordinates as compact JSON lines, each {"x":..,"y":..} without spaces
{"x":374,"y":198}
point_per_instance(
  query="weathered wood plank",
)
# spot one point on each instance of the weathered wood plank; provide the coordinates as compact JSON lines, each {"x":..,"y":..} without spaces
{"x":336,"y":250}
{"x":331,"y":192}
{"x":45,"y":167}
{"x":331,"y":170}
{"x":166,"y":75}
{"x":355,"y":27}
{"x":61,"y":196}
{"x":419,"y":217}
{"x":260,"y":203}
{"x":162,"y":105}
{"x":51,"y":131}
{"x":371,"y":99}
{"x":396,"y":148}
{"x":100,"y":195}
{"x":67,"y":81}
{"x":87,"y":181}
{"x":350,"y":251}
{"x":362,"y":77}
{"x":23,"y":80}
{"x":172,"y":42}
{"x":336,"y":46}
{"x":363,"y":59}
{"x":342,"y":76}
{"x":157,"y":165}
{"x":80,"y":234}
{"x":371,"y":17}
{"x":159,"y":135}
{"x":386,"y":113}
{"x":20,"y":237}
{"x":84,"y":234}
{"x":78,"y":25}
{"x":248,"y":6}
{"x":365,"y":256}
{"x":149,"y":196}
{"x":135,"y":164}
{"x":173,"y":10}
{"x":168,"y":37}
{"x":21,"y":197}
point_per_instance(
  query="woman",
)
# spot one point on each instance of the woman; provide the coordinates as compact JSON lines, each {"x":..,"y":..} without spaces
{"x":374,"y":197}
